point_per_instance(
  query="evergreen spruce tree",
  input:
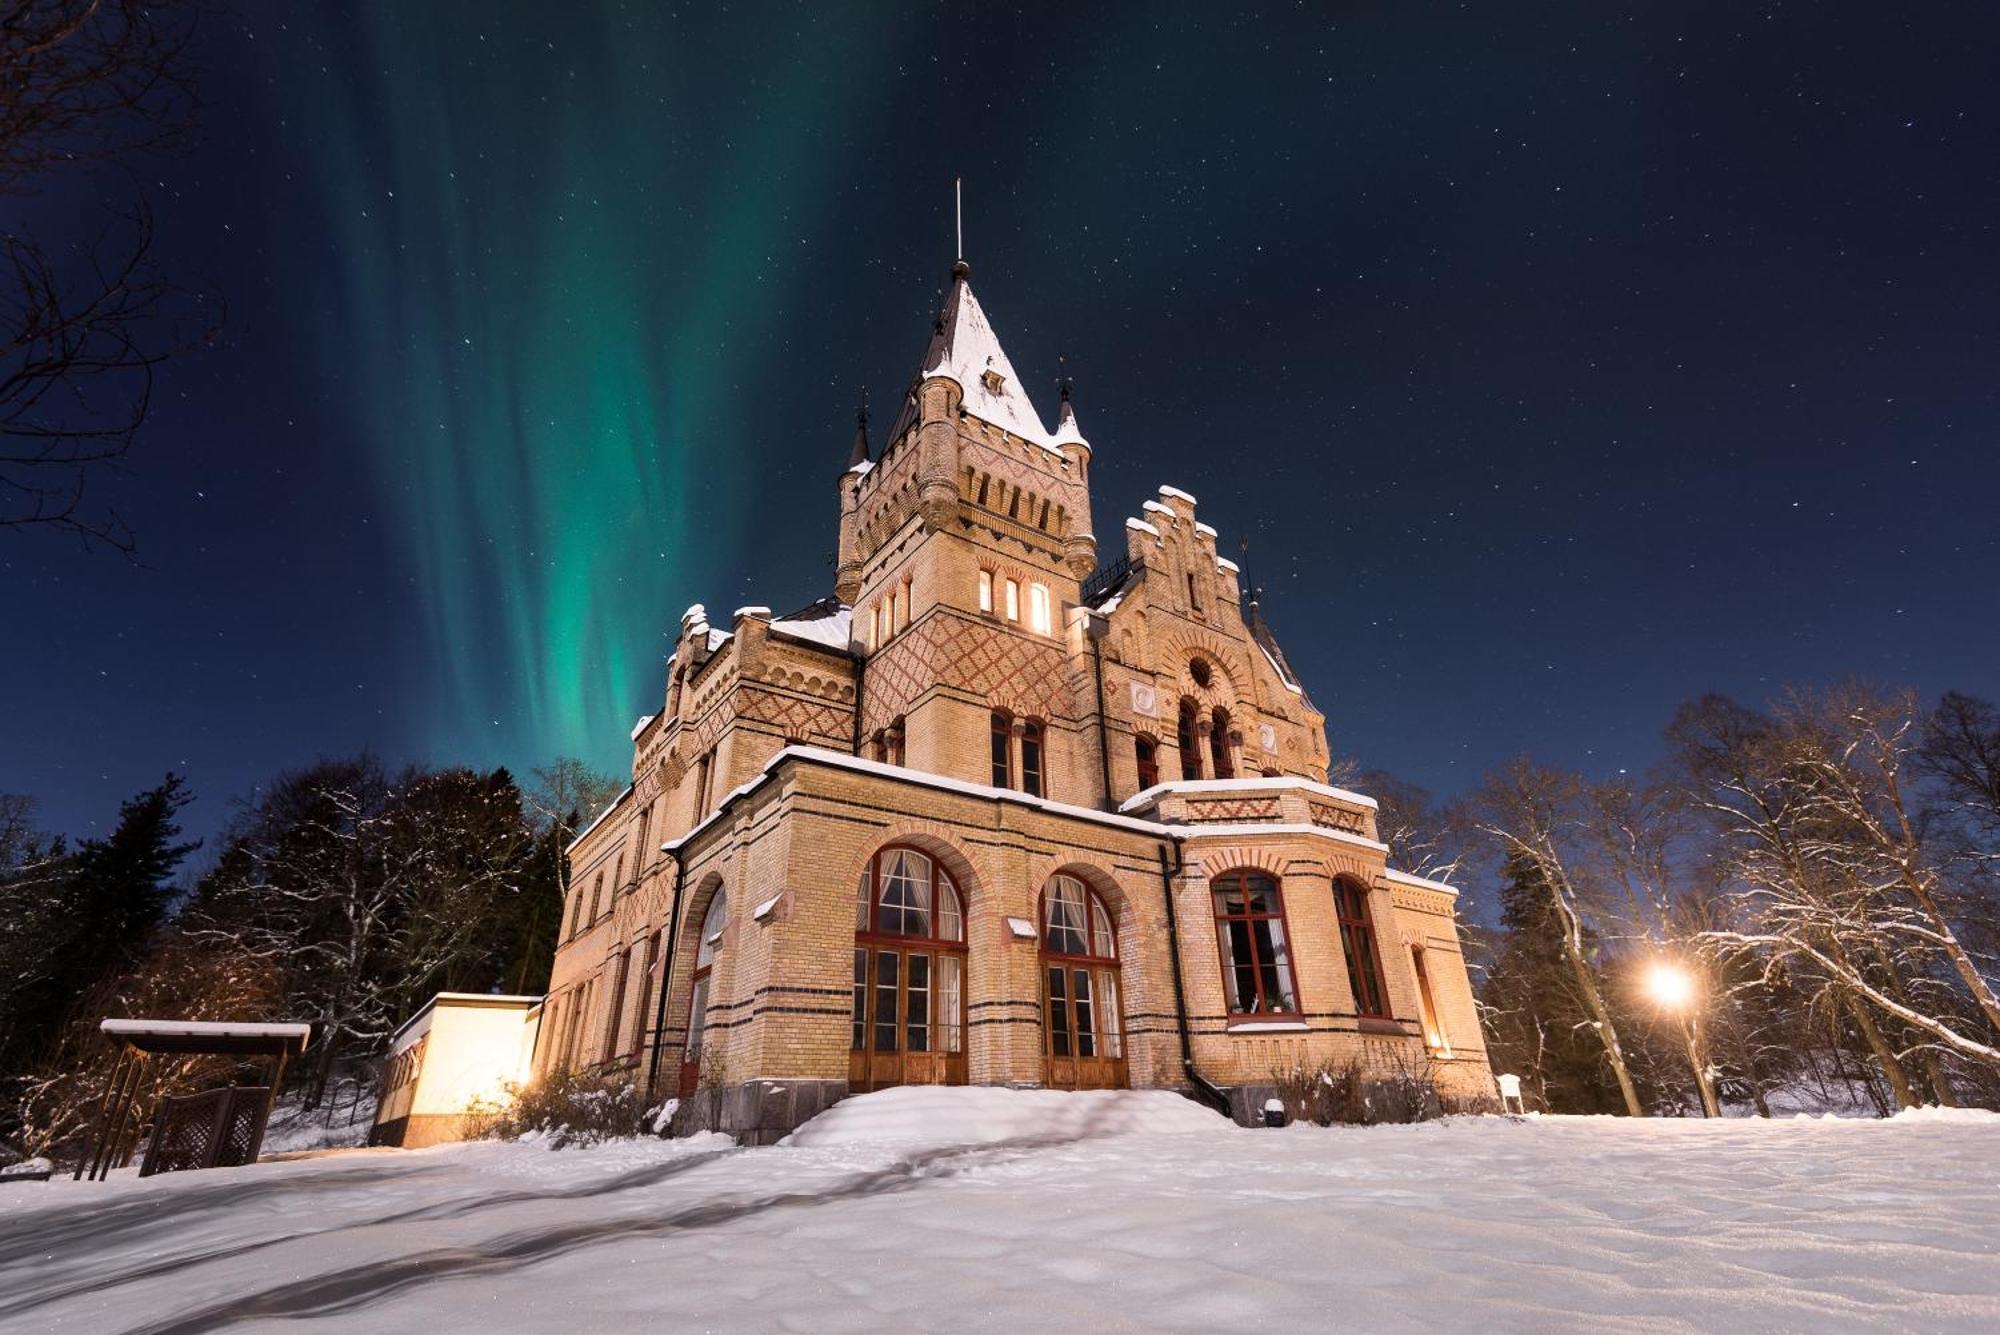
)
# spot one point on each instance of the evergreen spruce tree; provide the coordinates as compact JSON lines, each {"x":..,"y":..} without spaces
{"x":1538,"y":1027}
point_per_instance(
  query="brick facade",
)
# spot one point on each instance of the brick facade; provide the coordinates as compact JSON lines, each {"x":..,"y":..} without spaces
{"x":968,"y":632}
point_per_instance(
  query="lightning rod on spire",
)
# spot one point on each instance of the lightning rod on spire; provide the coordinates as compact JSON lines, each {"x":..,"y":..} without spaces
{"x":958,"y":209}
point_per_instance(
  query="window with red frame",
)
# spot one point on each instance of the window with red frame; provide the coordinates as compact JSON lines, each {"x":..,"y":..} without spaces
{"x":1357,"y":944}
{"x":1149,"y":762}
{"x":1031,"y":758}
{"x":1250,"y":935}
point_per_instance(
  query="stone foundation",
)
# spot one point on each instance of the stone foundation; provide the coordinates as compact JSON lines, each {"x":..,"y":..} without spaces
{"x":757,"y":1112}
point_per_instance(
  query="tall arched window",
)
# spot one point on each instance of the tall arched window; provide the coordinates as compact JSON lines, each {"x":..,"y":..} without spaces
{"x":1250,"y":936}
{"x":1001,"y":728}
{"x":705,"y":951}
{"x":909,"y":974}
{"x":1218,"y":745}
{"x":1357,"y":944}
{"x":1149,"y":762}
{"x":1082,"y":1029}
{"x":1032,"y":757}
{"x":1190,"y":741}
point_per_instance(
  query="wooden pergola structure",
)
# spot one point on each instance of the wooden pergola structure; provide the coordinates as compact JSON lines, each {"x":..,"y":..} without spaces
{"x":216,"y":1128}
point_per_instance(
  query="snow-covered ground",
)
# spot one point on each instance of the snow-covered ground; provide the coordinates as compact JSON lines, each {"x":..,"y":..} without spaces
{"x":979,"y":1210}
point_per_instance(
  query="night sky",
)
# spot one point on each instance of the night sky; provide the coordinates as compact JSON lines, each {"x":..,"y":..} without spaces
{"x":1560,"y":363}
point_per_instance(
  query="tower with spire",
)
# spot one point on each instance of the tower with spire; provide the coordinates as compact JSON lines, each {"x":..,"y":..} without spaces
{"x":1005,"y":808}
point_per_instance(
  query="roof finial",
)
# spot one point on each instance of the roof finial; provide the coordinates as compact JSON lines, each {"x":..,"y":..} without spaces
{"x":960,"y":270}
{"x":1243,"y":568}
{"x":859,"y":454}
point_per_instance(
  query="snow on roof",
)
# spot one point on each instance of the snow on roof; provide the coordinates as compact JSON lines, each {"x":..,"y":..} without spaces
{"x":1420,"y":882}
{"x":598,"y":819}
{"x":1067,"y":432}
{"x":862,"y":469}
{"x":1224,"y":563}
{"x":1176,"y":491}
{"x":1206,"y":530}
{"x":763,"y":910}
{"x":1154,"y":507}
{"x":835,"y":630}
{"x":1284,"y":677}
{"x":645,"y":720}
{"x":717,"y":638}
{"x":752,"y":611}
{"x":1142,"y":524}
{"x":1138,"y":800}
{"x":842,"y":760}
{"x":967,"y":350}
{"x":201,"y":1029}
{"x":695,"y":612}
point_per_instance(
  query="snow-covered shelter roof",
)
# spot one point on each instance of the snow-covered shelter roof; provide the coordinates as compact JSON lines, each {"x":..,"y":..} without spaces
{"x":223,"y":1036}
{"x":965,"y":348}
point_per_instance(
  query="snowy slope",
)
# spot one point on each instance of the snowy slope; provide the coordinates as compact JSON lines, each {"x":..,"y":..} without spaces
{"x":1110,"y":1213}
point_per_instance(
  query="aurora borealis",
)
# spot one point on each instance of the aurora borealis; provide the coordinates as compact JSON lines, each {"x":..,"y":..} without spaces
{"x":1559,"y":365}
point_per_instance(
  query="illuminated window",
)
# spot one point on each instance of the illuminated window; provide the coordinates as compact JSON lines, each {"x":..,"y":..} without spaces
{"x":986,"y":591}
{"x":1039,"y":619}
{"x":1013,"y":601}
{"x":1433,"y":1031}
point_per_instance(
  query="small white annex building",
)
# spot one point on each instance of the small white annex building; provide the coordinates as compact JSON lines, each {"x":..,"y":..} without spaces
{"x":460,"y":1051}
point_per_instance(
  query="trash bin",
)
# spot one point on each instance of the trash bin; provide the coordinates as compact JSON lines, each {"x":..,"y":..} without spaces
{"x":1274,"y":1113}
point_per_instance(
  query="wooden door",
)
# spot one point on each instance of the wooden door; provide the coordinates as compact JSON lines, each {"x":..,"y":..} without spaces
{"x":1083,"y":1036}
{"x":908,"y":1018}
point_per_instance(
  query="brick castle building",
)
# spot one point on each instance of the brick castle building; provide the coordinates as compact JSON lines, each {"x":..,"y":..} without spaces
{"x":1006,"y":808}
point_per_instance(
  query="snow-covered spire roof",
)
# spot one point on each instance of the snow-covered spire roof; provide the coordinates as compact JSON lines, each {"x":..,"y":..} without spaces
{"x":1067,"y":432}
{"x":964,"y":347}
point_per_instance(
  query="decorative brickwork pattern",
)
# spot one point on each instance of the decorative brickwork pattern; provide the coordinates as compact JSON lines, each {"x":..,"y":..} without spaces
{"x":1228,"y":810}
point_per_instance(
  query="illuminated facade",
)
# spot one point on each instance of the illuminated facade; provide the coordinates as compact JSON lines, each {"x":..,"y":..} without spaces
{"x":1000,"y":810}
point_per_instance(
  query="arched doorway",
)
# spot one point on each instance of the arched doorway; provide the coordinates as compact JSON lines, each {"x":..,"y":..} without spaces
{"x":706,"y":948}
{"x":1083,"y":1032}
{"x":909,"y":974}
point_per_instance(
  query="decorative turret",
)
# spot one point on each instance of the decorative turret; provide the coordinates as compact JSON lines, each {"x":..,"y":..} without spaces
{"x":859,"y":454}
{"x":1080,"y":547}
{"x":847,"y":562}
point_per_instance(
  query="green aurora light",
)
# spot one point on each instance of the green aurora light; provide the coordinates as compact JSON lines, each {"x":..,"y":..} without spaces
{"x":542,"y":255}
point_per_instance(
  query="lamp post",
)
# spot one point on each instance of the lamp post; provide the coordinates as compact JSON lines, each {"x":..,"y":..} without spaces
{"x":1675,"y":990}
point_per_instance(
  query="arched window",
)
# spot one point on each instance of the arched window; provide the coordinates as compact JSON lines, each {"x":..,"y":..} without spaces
{"x":1250,"y":936}
{"x":1357,"y":944}
{"x":1218,"y":745}
{"x":1190,"y":742}
{"x":1002,"y":731}
{"x":1041,"y":618}
{"x":1082,"y":1031}
{"x":909,"y":974}
{"x":1149,"y":762}
{"x":705,"y":951}
{"x":1032,"y":757}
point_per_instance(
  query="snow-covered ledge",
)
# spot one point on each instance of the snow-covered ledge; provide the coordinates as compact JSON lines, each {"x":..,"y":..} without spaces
{"x":1225,"y":787}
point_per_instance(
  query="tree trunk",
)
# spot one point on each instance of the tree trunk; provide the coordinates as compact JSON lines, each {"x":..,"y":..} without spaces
{"x":1606,"y":1031}
{"x":1885,"y":1056}
{"x":1698,"y":1058}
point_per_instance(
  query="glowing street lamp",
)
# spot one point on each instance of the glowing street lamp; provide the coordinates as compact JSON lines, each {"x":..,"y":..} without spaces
{"x":1669,"y":985}
{"x":1674,"y":989}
